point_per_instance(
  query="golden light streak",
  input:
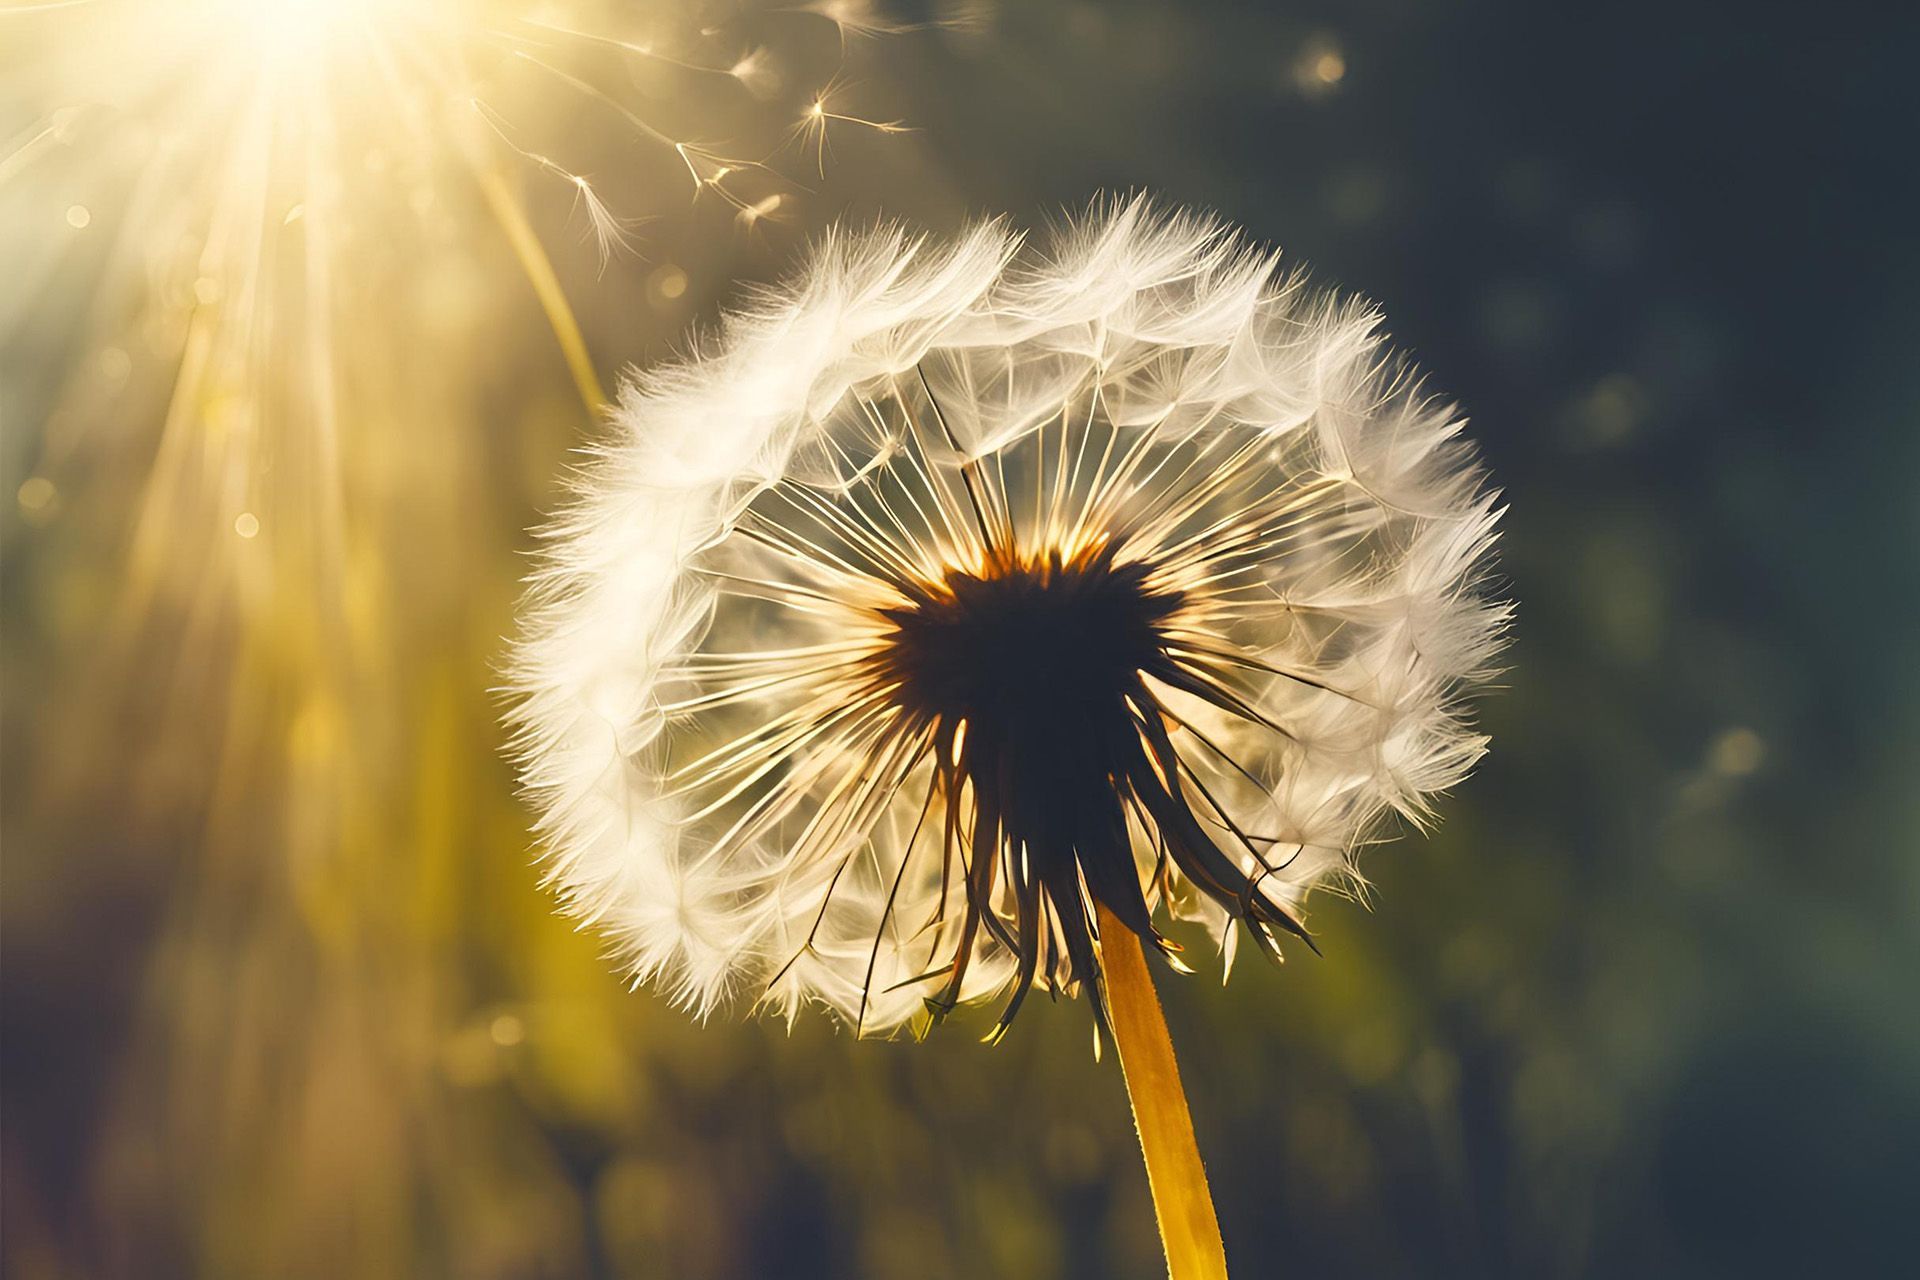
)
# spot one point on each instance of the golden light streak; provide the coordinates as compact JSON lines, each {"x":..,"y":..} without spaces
{"x":553,"y":299}
{"x":289,"y":247}
{"x":248,"y":156}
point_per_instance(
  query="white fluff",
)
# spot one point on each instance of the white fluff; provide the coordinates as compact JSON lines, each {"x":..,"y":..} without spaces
{"x":1166,"y":326}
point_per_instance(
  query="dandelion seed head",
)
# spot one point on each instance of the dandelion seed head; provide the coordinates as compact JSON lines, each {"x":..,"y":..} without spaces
{"x":959,"y":586}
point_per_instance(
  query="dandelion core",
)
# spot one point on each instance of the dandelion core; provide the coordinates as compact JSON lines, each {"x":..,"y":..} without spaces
{"x":1029,"y":676}
{"x":1026,"y":670}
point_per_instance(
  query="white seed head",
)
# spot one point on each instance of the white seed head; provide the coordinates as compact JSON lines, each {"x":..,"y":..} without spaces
{"x":955,"y":585}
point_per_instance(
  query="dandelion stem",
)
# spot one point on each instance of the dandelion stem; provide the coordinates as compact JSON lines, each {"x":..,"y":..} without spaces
{"x":1181,"y":1202}
{"x":539,"y":268}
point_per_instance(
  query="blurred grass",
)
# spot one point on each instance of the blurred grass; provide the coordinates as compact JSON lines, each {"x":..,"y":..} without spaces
{"x":282,"y":996}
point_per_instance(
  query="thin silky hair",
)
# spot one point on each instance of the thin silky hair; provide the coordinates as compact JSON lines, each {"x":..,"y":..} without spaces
{"x":957,"y":584}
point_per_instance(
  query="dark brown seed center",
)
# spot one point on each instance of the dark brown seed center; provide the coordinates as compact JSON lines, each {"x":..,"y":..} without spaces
{"x":1030,"y":675}
{"x":1034,"y":656}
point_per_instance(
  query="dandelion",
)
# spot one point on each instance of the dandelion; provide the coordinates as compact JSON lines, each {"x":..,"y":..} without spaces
{"x":965,"y":612}
{"x":820,"y":116}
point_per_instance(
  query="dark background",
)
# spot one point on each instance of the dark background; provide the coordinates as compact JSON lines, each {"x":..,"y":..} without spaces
{"x":1644,"y":1005}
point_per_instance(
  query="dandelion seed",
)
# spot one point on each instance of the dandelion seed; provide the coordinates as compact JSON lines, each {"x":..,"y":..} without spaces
{"x":815,"y":120}
{"x":611,"y":234}
{"x":765,"y":209}
{"x":861,"y":19}
{"x":853,"y":19}
{"x":758,"y":73}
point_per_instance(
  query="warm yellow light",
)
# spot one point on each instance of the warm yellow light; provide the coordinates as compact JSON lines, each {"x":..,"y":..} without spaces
{"x":297,"y":29}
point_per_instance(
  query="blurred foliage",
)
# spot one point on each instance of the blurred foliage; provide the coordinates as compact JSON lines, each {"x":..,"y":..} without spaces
{"x":282,"y":995}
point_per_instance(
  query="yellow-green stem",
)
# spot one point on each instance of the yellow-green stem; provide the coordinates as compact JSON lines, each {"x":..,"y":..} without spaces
{"x":539,"y":269}
{"x":1181,"y":1202}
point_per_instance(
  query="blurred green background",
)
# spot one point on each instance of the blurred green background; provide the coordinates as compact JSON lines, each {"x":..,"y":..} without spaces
{"x":282,"y":996}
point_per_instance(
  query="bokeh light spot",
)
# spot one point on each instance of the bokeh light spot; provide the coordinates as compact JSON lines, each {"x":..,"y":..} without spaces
{"x":1737,"y":752}
{"x":1318,"y":67}
{"x":39,"y":500}
{"x":667,"y":284}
